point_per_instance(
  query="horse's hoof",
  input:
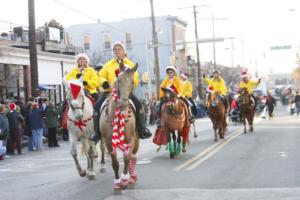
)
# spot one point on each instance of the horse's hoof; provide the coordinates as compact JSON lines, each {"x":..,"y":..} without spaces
{"x":102,"y":170}
{"x":117,"y":188}
{"x":117,"y":191}
{"x":172,"y":155}
{"x":222,"y":137}
{"x":91,"y":177}
{"x":216,"y":140}
{"x":124,"y":183}
{"x":82,"y":173}
{"x":132,"y":182}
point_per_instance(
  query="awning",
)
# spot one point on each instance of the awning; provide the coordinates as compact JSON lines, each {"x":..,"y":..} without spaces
{"x":46,"y":87}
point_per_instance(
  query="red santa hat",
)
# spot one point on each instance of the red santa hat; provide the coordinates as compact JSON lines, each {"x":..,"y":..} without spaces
{"x":184,"y":75}
{"x":12,"y":106}
{"x":172,"y":88}
{"x":210,"y":89}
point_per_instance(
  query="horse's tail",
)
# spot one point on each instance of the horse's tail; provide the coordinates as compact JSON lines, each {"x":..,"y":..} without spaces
{"x":186,"y":128}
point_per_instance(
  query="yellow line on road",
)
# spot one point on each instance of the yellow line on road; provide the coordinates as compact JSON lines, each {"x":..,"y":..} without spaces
{"x":203,"y":153}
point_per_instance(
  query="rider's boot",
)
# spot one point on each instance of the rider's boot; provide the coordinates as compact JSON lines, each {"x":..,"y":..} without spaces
{"x":96,"y":136}
{"x":143,"y":131}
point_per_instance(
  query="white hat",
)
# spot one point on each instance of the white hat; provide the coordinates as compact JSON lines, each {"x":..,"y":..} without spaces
{"x":120,"y":44}
{"x":184,"y":75}
{"x":82,"y":55}
{"x":172,"y":68}
{"x":244,"y":75}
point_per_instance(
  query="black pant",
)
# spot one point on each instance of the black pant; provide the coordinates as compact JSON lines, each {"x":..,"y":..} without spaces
{"x":14,"y":141}
{"x":193,"y":108}
{"x":52,"y":137}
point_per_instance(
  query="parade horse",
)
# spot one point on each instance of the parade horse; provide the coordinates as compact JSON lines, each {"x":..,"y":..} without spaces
{"x":80,"y":126}
{"x":217,"y":114}
{"x":247,"y":109}
{"x":118,"y":128}
{"x":175,"y":117}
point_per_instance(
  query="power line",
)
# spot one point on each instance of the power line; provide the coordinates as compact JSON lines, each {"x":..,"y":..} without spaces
{"x":87,"y":16}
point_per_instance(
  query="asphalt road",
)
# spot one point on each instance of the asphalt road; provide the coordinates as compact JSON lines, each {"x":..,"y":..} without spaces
{"x":260,"y":165}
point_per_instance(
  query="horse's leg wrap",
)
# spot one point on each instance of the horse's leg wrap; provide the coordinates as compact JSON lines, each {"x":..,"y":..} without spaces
{"x":178,"y":148}
{"x":132,"y":170}
{"x":117,"y":184}
{"x":171,"y":146}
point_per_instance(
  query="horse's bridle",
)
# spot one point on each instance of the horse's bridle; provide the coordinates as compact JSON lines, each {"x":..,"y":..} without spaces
{"x":77,"y":107}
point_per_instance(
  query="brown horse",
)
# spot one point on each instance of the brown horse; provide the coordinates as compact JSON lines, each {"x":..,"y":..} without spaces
{"x":247,"y":109}
{"x":123,"y":87}
{"x":175,"y":117}
{"x":216,"y":111}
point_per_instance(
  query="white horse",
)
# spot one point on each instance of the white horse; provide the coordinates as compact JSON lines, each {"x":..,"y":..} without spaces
{"x":80,"y":126}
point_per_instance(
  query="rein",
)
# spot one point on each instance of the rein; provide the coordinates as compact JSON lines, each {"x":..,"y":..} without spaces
{"x":79,"y":123}
{"x":118,"y":137}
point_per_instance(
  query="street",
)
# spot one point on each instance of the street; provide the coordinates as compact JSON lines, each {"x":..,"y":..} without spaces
{"x":260,"y":165}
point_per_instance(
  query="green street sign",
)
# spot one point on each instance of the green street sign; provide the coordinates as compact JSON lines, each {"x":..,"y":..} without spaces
{"x":280,"y":47}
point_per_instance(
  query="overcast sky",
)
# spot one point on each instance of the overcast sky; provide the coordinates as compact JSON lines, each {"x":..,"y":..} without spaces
{"x":256,"y":24}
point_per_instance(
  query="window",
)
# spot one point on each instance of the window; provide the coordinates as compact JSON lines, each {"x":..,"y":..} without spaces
{"x":128,"y":40}
{"x":106,"y":41}
{"x":86,"y":42}
{"x":69,"y":39}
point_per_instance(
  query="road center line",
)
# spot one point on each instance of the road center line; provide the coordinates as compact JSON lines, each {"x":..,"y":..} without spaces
{"x":201,"y":160}
{"x":204,"y":153}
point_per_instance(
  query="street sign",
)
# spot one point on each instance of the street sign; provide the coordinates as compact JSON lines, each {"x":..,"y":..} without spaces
{"x":280,"y":47}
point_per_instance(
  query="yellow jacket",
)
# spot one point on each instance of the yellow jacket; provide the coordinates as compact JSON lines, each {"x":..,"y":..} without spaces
{"x":218,"y":84}
{"x":187,"y":88}
{"x":176,"y":82}
{"x":249,"y":85}
{"x":107,"y":73}
{"x":89,"y":75}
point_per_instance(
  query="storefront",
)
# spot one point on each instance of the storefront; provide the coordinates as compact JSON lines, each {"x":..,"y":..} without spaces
{"x":15,"y":73}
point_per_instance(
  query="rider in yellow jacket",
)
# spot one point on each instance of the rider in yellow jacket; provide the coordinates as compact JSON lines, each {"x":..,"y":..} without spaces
{"x":219,"y":86}
{"x":88,"y":75}
{"x":188,"y":91}
{"x":172,"y":80}
{"x":108,"y":75}
{"x":249,"y":84}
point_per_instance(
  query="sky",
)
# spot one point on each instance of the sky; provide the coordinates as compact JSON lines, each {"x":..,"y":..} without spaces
{"x":255,"y":25}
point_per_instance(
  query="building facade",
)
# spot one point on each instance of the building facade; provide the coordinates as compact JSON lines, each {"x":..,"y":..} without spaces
{"x":136,"y":34}
{"x":15,"y":73}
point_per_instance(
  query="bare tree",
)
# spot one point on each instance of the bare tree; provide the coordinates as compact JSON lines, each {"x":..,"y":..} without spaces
{"x":101,"y":57}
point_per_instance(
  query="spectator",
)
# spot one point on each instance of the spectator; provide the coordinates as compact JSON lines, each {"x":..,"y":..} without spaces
{"x":4,"y":129}
{"x":27,"y":128}
{"x":15,"y":119}
{"x":36,"y":122}
{"x":52,"y":123}
{"x":297,"y":102}
{"x":2,"y":150}
{"x":271,"y":103}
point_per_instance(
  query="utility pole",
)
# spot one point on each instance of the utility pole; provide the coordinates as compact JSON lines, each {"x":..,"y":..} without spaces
{"x":198,"y":77}
{"x":214,"y":44}
{"x":155,"y":46}
{"x":198,"y":69}
{"x":32,"y":50}
{"x":213,"y":36}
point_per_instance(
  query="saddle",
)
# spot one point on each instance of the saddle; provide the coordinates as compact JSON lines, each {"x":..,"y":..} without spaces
{"x":104,"y":107}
